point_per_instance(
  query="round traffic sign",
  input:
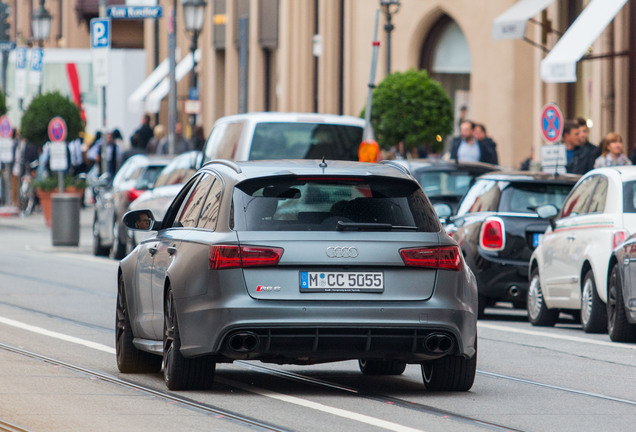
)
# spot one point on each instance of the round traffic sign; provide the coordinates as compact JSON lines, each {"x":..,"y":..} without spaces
{"x":5,"y":127}
{"x":57,"y":129}
{"x":551,"y":123}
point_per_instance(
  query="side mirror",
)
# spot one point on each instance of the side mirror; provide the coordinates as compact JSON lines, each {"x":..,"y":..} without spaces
{"x":549,"y":212}
{"x":140,"y":220}
{"x":443,"y":210}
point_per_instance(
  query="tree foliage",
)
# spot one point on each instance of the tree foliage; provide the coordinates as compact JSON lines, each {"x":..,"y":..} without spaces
{"x":413,"y":108}
{"x":3,"y":104}
{"x":35,"y":120}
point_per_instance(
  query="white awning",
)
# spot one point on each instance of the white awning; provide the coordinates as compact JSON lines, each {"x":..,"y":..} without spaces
{"x":512,"y":23}
{"x":153,"y":101}
{"x":560,"y":63}
{"x":136,"y":99}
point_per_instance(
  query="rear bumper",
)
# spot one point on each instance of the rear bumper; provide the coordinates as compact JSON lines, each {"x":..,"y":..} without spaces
{"x":502,"y":279}
{"x":314,"y":332}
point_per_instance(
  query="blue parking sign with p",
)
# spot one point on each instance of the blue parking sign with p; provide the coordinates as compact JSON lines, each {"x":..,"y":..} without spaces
{"x":100,"y":33}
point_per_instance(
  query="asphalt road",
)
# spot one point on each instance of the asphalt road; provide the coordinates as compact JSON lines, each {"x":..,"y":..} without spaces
{"x":58,"y":370}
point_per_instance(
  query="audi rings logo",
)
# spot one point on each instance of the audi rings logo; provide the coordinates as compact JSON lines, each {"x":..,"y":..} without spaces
{"x":342,"y":252}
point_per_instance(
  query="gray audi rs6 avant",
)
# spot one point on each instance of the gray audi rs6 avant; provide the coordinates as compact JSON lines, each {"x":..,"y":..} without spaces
{"x":297,"y":262}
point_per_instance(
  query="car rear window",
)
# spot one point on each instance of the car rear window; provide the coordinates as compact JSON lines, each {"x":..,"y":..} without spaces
{"x":319,"y":203}
{"x":302,"y":140}
{"x":526,"y":197}
{"x":439,"y":184}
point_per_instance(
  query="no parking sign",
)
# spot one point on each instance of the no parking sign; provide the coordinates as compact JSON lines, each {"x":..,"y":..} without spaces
{"x":551,"y":123}
{"x":553,"y":156}
{"x":57,"y":147}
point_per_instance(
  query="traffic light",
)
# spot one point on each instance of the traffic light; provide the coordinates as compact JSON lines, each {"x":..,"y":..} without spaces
{"x":5,"y":26}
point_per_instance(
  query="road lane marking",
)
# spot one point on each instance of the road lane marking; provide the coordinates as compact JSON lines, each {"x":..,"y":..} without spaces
{"x":56,"y":335}
{"x":320,"y":407}
{"x":270,"y":394}
{"x":555,"y":336}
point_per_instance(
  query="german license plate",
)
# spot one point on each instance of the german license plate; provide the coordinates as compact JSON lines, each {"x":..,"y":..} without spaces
{"x":341,"y":281}
{"x":537,"y":238}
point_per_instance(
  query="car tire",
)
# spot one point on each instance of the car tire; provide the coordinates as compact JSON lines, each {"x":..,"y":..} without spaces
{"x":381,"y":367}
{"x":618,"y":328}
{"x":593,"y":310}
{"x":182,"y":373}
{"x":119,"y":248}
{"x":538,"y":312}
{"x":450,"y":373}
{"x":98,"y":248}
{"x":129,"y":358}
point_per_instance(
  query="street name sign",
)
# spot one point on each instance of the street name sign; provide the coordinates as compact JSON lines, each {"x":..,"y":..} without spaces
{"x":135,"y":12}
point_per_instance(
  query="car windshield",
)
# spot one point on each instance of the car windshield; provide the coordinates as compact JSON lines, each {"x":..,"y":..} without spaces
{"x":149,"y":176}
{"x":330,"y":204}
{"x":526,"y":197}
{"x":302,"y":140}
{"x":439,"y":184}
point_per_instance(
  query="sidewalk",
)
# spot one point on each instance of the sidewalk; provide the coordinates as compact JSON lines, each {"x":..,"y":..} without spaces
{"x":31,"y":232}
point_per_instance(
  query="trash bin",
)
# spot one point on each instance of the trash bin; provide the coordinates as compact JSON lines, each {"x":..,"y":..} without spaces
{"x":65,"y":219}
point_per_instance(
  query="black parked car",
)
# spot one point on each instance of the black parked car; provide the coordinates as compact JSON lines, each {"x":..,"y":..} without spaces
{"x":497,"y":228}
{"x":446,"y":181}
{"x":621,"y":292}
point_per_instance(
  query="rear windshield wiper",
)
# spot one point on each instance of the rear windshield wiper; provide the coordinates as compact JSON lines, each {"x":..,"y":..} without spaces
{"x":373,"y":226}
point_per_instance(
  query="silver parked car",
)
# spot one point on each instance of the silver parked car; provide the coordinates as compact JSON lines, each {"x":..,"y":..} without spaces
{"x":297,"y":262}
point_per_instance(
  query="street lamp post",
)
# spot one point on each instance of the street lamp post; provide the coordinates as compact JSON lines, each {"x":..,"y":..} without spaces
{"x":390,"y":8}
{"x":194,"y":16}
{"x":40,"y":29}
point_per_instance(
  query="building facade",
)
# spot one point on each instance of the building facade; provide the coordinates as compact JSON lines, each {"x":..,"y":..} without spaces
{"x":315,"y":56}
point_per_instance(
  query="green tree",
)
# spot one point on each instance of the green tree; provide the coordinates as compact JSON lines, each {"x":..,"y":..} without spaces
{"x":3,"y":104}
{"x":413,"y":108}
{"x":35,"y":121}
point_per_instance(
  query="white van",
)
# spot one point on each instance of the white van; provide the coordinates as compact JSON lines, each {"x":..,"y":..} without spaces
{"x":274,"y":135}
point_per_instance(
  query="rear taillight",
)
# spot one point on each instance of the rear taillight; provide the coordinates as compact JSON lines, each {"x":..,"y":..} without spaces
{"x":618,"y":238}
{"x":133,"y":194}
{"x":231,"y":256}
{"x":442,"y":257}
{"x":492,"y":236}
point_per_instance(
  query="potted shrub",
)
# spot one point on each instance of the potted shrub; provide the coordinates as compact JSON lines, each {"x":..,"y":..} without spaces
{"x":47,"y":186}
{"x":411,"y":108}
{"x":34,"y":128}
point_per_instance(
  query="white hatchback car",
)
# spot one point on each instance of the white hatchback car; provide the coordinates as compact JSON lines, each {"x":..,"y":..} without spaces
{"x":569,"y":269}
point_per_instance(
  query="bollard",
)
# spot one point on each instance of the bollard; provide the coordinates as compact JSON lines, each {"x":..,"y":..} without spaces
{"x":65,"y":219}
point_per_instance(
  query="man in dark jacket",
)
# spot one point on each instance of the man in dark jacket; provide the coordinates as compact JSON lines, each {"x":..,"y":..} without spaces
{"x":585,"y":153}
{"x":481,"y":136}
{"x":465,"y":148}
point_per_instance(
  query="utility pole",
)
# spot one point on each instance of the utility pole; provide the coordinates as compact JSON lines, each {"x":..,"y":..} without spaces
{"x":172,"y":95}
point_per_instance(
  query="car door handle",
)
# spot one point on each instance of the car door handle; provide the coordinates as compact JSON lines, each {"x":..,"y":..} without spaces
{"x":153,"y":250}
{"x":172,"y":250}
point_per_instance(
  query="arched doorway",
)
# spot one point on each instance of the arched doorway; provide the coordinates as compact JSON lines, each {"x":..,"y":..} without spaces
{"x":446,"y":57}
